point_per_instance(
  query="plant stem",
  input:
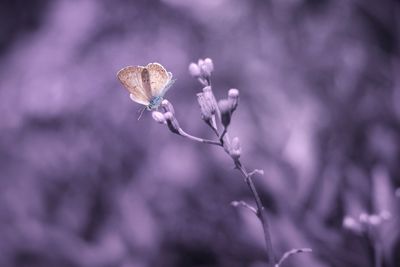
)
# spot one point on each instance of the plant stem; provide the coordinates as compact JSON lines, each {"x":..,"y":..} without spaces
{"x":260,"y":210}
{"x":198,"y":139}
{"x":224,"y":142}
{"x":261,"y":213}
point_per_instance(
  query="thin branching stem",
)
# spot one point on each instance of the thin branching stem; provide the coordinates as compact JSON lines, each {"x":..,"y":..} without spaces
{"x":224,"y":132}
{"x":261,"y":213}
{"x":222,"y":111}
{"x":260,"y":210}
{"x":244,"y":204}
{"x":291,"y":253}
{"x":198,"y":139}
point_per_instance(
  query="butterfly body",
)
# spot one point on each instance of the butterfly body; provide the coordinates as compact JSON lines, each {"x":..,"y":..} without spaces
{"x":155,"y":102}
{"x":147,"y":85}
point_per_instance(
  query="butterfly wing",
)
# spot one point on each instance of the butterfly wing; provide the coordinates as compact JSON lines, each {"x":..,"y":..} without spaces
{"x":169,"y":84}
{"x":159,"y":78}
{"x":131,"y":79}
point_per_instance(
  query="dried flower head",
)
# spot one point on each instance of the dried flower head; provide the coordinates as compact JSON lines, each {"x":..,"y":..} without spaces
{"x":210,"y":98}
{"x":206,"y":106}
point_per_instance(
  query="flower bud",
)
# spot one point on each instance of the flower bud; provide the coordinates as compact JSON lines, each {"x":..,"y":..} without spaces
{"x":236,"y":149}
{"x":205,"y":71}
{"x":206,"y":107}
{"x":209,"y":97}
{"x":194,"y":70}
{"x":208,"y":64}
{"x":236,"y":143}
{"x":226,"y":111}
{"x":167,"y":107}
{"x":205,"y":66}
{"x":172,"y":122}
{"x":158,"y":117}
{"x":233,"y":96}
{"x":200,"y":62}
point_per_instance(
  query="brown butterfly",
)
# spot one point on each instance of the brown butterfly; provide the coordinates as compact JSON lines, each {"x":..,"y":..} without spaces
{"x":146,"y":85}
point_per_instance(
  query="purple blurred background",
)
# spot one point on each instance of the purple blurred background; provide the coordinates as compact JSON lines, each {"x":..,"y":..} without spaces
{"x":83,"y":183}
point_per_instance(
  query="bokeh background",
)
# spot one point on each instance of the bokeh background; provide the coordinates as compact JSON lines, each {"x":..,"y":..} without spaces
{"x":84,"y":184}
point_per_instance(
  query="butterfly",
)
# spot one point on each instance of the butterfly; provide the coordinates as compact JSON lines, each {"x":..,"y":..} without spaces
{"x":146,"y":85}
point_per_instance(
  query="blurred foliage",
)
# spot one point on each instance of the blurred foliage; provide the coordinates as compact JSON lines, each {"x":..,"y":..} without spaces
{"x":84,"y":184}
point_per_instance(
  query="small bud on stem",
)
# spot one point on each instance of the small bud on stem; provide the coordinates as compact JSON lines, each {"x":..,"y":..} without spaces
{"x":158,"y":117}
{"x":167,"y":106}
{"x":172,"y":122}
{"x":226,"y":112}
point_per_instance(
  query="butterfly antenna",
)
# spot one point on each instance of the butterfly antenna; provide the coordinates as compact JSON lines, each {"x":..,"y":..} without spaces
{"x":141,"y":112}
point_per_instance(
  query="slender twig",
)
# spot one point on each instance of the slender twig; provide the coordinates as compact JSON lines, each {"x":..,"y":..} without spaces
{"x":261,"y":172}
{"x":221,"y":138}
{"x":244,"y":204}
{"x":213,"y":127}
{"x":260,"y":210}
{"x":291,"y":253}
{"x":198,"y":139}
{"x":261,"y":213}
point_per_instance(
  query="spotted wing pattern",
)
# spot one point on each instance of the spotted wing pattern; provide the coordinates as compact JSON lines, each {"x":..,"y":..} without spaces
{"x":131,"y":79}
{"x":159,"y":78}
